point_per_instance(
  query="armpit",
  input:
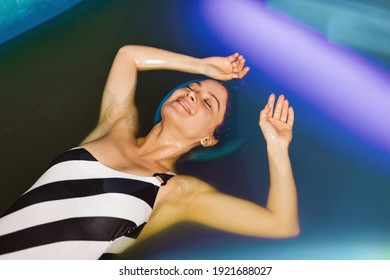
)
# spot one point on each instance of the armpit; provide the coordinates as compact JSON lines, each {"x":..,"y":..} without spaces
{"x":190,"y":185}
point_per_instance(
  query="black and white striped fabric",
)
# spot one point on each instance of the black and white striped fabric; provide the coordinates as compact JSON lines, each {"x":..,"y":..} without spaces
{"x":78,"y":209}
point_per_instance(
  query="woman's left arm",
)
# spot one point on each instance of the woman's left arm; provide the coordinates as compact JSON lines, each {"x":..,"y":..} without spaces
{"x":280,"y":216}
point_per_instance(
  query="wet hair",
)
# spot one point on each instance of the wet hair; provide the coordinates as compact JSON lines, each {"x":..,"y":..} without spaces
{"x":225,"y":133}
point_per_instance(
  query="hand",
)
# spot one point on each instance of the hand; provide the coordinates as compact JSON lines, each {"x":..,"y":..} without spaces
{"x":225,"y":68}
{"x":277,"y":125}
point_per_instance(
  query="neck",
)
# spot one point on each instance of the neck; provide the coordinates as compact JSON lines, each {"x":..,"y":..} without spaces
{"x":163,"y":147}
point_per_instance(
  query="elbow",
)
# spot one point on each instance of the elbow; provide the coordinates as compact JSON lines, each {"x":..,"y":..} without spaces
{"x":129,"y":54}
{"x":126,"y":49}
{"x":292,"y":231}
{"x":278,"y":232}
{"x":132,"y":54}
{"x":130,"y":50}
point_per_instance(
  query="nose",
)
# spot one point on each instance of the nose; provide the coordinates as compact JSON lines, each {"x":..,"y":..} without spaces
{"x":192,"y":96}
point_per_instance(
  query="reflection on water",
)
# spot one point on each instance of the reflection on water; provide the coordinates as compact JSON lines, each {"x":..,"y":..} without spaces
{"x":19,"y":16}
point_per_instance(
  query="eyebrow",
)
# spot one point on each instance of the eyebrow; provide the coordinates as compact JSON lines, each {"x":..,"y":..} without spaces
{"x":212,"y":94}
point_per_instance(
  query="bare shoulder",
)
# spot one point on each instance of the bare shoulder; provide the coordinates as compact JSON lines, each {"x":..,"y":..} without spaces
{"x":125,"y":126}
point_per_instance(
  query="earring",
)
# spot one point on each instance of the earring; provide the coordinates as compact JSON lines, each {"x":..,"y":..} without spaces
{"x":204,"y":141}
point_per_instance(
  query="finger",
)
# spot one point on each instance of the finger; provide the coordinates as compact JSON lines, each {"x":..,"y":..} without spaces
{"x":278,"y":107}
{"x":235,"y":66}
{"x":243,"y":72}
{"x":264,"y":113}
{"x":290,"y":119}
{"x":240,"y":62}
{"x":233,"y":57}
{"x":283,"y":116}
{"x":271,"y":103}
{"x":241,"y":65}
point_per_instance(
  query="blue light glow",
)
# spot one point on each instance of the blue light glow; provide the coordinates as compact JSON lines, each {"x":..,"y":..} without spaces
{"x":340,"y":83}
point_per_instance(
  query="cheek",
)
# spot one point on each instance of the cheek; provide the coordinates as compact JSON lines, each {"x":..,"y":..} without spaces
{"x":197,"y":126}
{"x":204,"y":122}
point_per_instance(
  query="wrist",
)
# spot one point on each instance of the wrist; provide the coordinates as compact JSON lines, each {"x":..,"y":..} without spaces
{"x":277,"y":149}
{"x":200,"y":66}
{"x":190,"y":65}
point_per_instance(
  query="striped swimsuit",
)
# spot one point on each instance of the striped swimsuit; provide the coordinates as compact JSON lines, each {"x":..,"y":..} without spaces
{"x":78,"y":209}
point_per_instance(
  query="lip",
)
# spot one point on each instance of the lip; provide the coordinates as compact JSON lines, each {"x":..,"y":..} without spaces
{"x":184,"y":104}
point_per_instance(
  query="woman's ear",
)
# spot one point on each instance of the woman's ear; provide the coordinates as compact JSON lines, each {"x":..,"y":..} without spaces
{"x":208,"y":141}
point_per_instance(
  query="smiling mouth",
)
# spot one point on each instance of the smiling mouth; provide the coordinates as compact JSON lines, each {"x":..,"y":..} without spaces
{"x":184,"y":106}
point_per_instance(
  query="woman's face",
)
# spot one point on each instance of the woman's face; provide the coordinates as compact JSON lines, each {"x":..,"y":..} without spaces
{"x":196,"y":110}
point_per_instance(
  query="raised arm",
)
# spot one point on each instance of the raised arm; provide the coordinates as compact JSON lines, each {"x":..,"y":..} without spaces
{"x":280,"y":216}
{"x":276,"y":125}
{"x":118,"y":95}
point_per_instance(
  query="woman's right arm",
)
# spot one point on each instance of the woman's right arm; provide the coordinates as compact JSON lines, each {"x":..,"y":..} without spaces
{"x":118,"y":95}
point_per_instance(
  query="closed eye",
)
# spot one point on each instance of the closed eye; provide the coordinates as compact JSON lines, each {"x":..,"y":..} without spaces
{"x":207,"y":103}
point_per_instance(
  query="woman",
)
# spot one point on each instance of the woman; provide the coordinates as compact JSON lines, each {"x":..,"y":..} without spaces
{"x":97,"y":198}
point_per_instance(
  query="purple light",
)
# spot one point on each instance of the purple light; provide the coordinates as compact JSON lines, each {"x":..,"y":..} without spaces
{"x":337,"y":81}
